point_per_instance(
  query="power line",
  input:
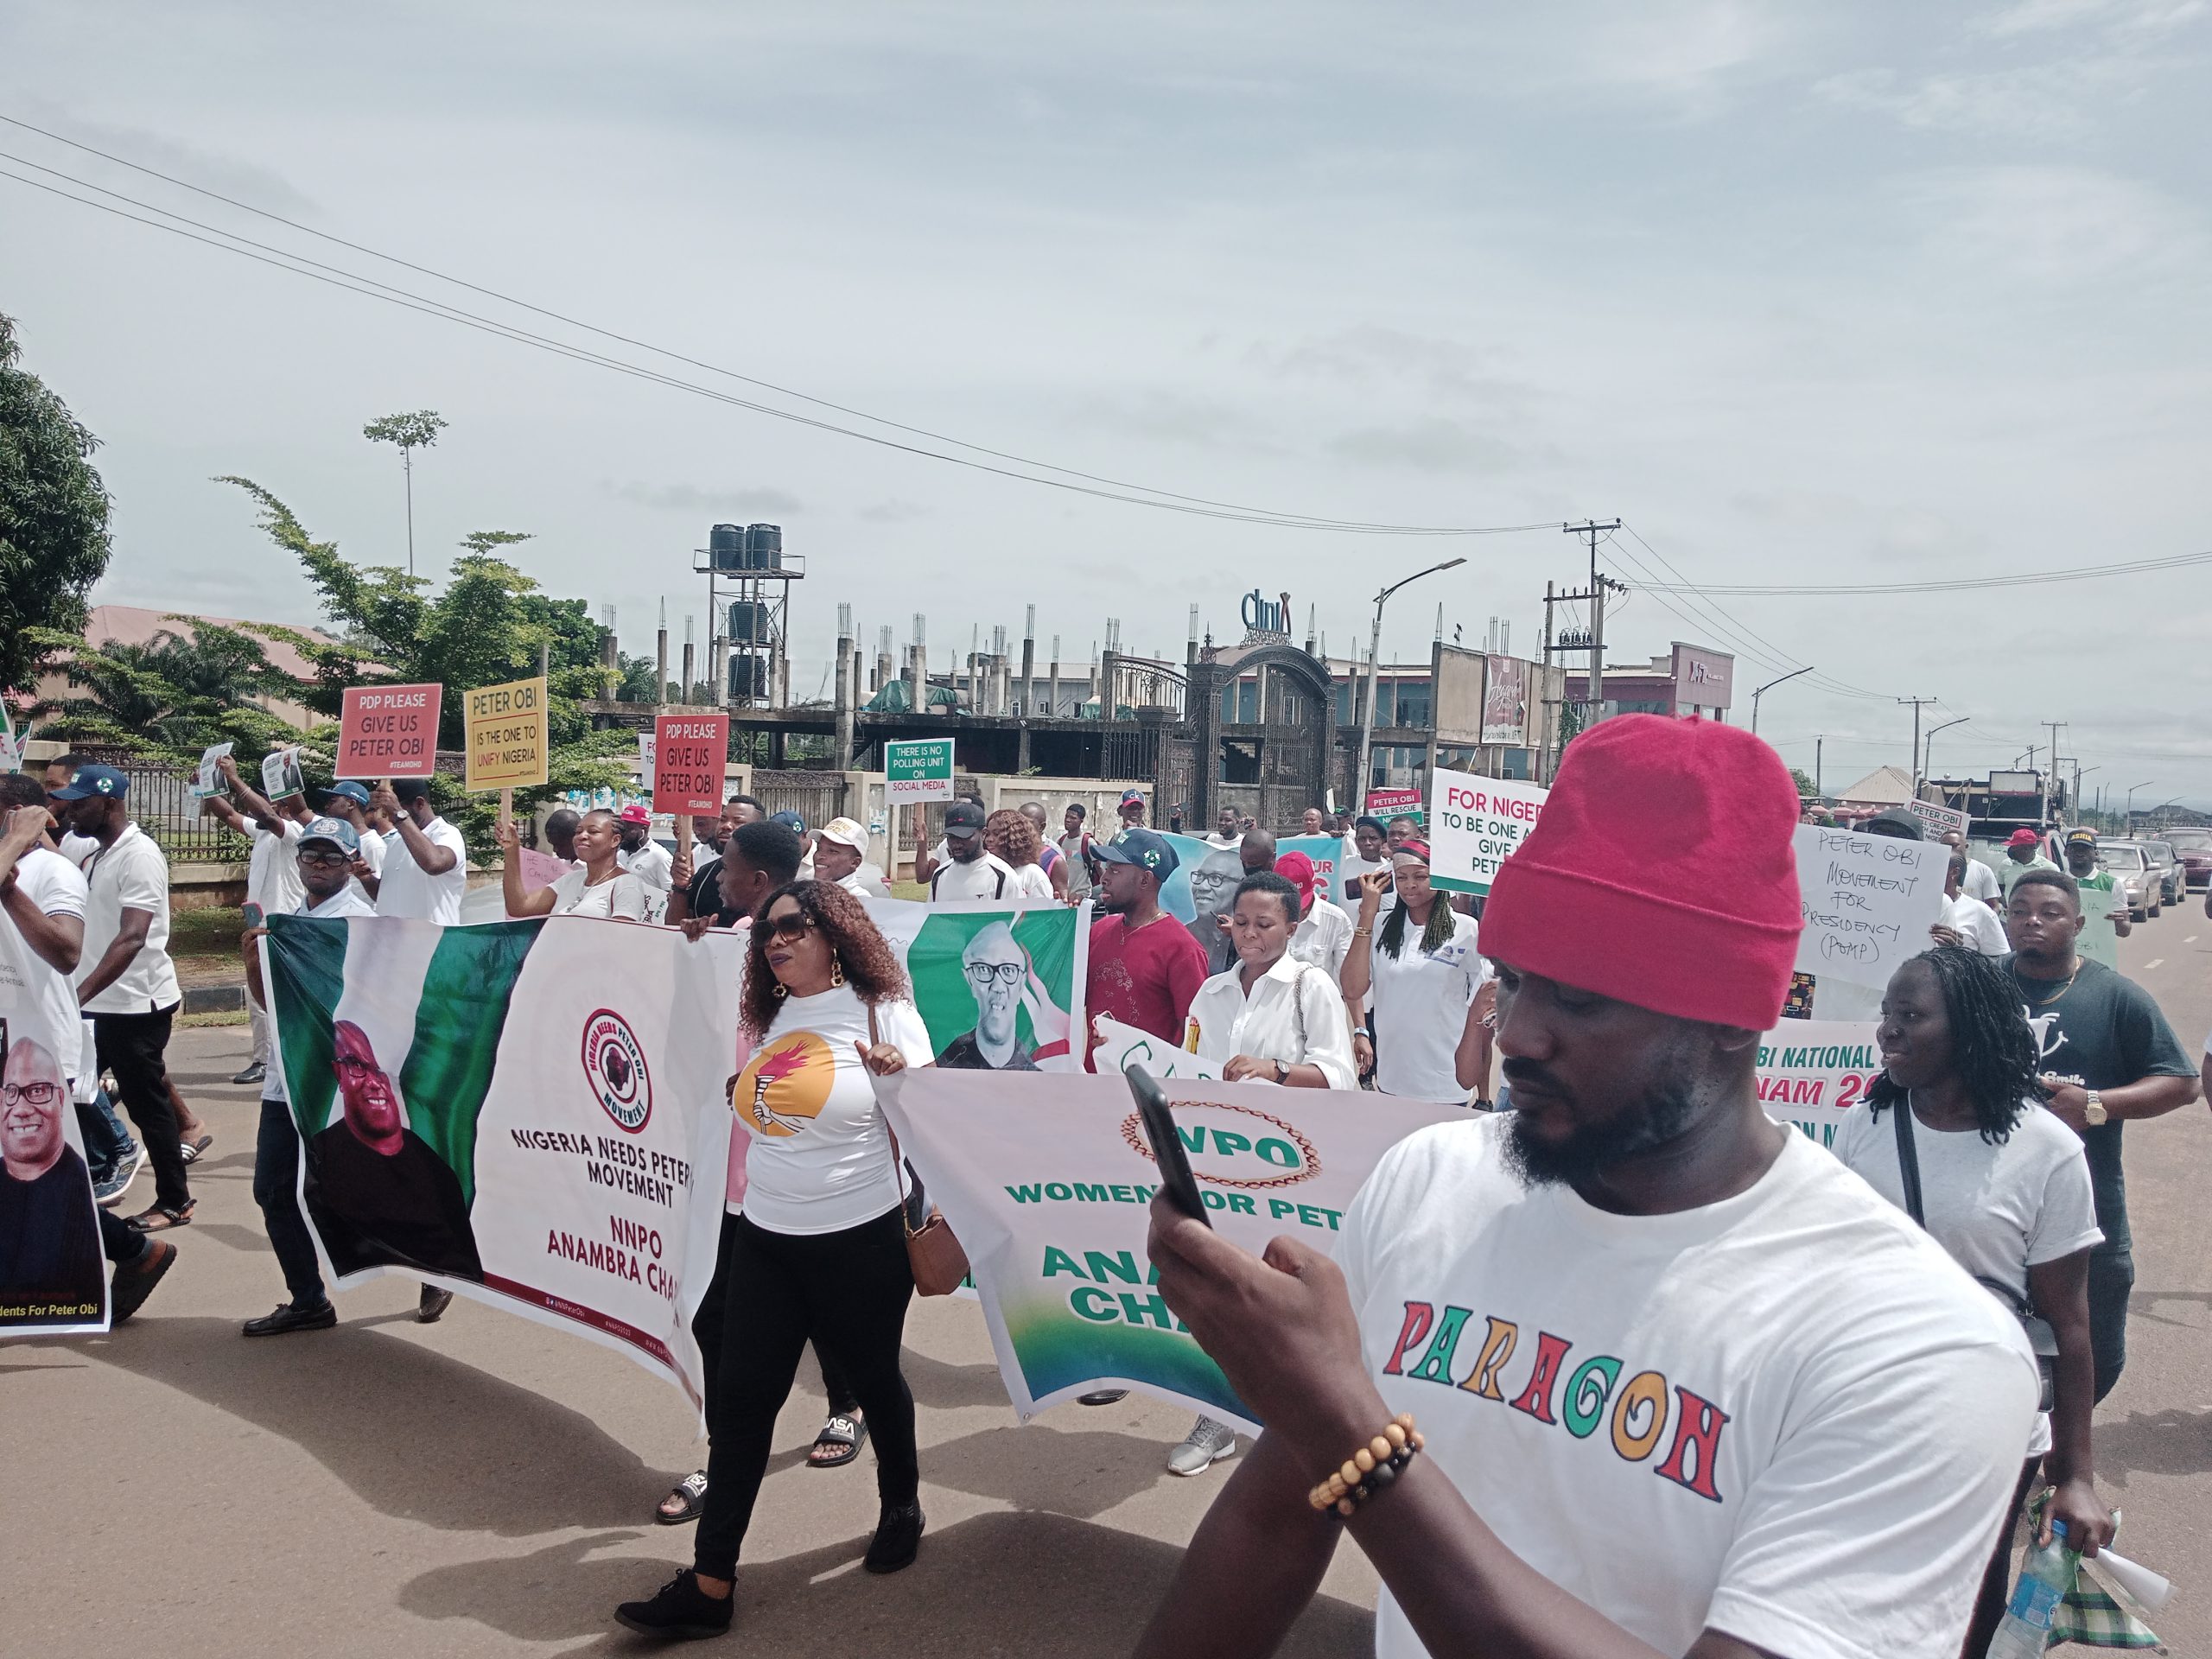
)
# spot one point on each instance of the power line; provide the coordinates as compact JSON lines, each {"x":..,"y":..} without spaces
{"x":2032,"y":578}
{"x":1113,"y":489}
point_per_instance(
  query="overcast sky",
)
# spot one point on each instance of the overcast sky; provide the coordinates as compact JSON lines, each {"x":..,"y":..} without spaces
{"x":1874,"y":293}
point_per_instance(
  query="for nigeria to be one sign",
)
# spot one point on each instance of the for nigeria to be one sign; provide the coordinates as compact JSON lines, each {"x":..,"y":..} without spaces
{"x":388,"y":731}
{"x":918,"y":770}
{"x":688,"y":753}
{"x":1474,"y":822}
{"x":508,"y":741}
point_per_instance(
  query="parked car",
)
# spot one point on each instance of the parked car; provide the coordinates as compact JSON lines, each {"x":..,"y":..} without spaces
{"x":2165,"y":866}
{"x":2193,"y":849}
{"x":2131,"y":865}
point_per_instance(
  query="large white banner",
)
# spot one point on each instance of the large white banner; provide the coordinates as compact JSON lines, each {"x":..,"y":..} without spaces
{"x":1046,"y":1186}
{"x":1814,"y":1073}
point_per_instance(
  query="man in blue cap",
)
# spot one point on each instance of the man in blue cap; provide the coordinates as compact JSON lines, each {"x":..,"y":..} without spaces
{"x":125,"y":982}
{"x":350,"y":801}
{"x":1145,"y":967}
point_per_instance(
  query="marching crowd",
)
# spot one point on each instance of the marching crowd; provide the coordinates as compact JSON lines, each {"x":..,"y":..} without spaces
{"x":1869,"y":1360}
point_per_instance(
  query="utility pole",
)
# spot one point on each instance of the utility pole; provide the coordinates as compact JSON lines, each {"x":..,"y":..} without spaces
{"x":1590,"y":529}
{"x":1820,"y":740}
{"x":1916,"y":703}
{"x":2050,"y":772}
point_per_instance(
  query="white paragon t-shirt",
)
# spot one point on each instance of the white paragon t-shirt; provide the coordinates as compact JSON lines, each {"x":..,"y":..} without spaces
{"x":1788,"y":1416}
{"x":1998,"y":1210}
{"x":819,"y":1159}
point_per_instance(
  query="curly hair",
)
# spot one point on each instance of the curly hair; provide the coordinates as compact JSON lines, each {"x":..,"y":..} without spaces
{"x":1992,"y":1051}
{"x":1013,"y":838}
{"x":860,"y":952}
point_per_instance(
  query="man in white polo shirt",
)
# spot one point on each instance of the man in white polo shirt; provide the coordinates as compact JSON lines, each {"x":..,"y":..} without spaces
{"x":125,"y":981}
{"x":1650,"y":1373}
{"x":272,"y":877}
{"x":426,"y":866}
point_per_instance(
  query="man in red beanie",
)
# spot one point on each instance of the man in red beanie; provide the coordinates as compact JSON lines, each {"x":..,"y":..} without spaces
{"x":1659,"y":1375}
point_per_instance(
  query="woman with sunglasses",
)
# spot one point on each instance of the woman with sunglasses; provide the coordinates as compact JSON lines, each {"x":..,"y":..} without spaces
{"x":1421,"y":970}
{"x":598,"y":886}
{"x":820,"y":1250}
{"x":2005,"y":1190}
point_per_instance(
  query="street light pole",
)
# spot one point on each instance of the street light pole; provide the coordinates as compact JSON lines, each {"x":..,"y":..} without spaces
{"x":2131,"y":788}
{"x":1768,"y":687}
{"x":1373,"y":652}
{"x":1928,"y":751}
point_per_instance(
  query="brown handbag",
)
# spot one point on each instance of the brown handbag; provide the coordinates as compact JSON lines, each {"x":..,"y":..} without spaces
{"x":939,"y":1264}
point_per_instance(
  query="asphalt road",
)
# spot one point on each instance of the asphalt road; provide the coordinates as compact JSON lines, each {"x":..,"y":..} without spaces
{"x":485,"y":1486}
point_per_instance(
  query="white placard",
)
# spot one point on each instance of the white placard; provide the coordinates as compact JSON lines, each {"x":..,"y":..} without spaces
{"x":1868,"y":901}
{"x":1474,"y":822}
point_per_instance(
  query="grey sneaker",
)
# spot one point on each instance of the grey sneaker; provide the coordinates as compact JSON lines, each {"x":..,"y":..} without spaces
{"x":1207,"y":1444}
{"x":109,"y":1192}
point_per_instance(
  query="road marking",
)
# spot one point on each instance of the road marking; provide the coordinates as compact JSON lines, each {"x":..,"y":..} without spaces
{"x":2155,"y":961}
{"x":2191,"y":939}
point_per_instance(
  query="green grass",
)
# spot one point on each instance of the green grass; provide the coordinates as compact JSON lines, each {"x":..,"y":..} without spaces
{"x":206,"y":932}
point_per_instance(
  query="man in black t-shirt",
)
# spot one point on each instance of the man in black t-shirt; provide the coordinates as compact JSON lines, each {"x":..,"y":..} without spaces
{"x":2108,"y":1055}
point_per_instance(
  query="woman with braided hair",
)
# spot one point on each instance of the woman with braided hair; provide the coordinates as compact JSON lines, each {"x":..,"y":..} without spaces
{"x":819,"y":1252}
{"x":2004,"y":1187}
{"x":1420,"y":965}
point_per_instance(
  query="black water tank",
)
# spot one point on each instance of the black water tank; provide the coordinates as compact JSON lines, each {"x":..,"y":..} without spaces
{"x":726,"y":547}
{"x":748,"y":674}
{"x":764,"y":547}
{"x":748,"y":621}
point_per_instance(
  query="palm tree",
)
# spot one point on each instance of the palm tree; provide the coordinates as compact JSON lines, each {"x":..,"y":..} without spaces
{"x":172,"y":695}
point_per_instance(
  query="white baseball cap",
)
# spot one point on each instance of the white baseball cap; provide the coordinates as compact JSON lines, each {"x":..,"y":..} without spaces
{"x":846,"y":833}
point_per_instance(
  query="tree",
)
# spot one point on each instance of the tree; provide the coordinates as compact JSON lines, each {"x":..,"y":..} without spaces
{"x":1805,"y":790}
{"x":53,"y":514}
{"x":172,"y":697}
{"x":487,"y":626}
{"x":416,"y":429}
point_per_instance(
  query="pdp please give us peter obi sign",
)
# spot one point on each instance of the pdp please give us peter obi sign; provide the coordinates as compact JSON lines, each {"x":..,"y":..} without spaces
{"x":916,"y":772}
{"x":1474,"y":822}
{"x":388,"y":731}
{"x":686,"y":765}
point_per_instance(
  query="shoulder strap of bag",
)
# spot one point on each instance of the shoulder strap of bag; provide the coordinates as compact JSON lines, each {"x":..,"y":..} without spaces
{"x":1298,"y":1005}
{"x":1909,"y":1161}
{"x":909,"y":1182}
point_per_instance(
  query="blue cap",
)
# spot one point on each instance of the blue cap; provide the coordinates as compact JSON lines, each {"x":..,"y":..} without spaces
{"x":791,"y":821}
{"x":335,"y":831}
{"x":350,"y":790}
{"x":1144,"y":848}
{"x":87,"y":782}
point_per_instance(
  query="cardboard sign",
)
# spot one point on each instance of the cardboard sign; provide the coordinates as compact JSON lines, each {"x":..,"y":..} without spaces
{"x":920,"y":771}
{"x":508,"y":740}
{"x":1937,"y":820}
{"x":1475,"y":823}
{"x":388,"y":731}
{"x":1868,"y":901}
{"x":688,"y":754}
{"x":1388,"y":804}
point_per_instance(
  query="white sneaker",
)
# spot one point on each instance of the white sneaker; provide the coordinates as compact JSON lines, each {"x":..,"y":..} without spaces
{"x":1207,"y":1444}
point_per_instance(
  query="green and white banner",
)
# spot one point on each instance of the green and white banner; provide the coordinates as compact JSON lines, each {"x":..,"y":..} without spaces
{"x":999,"y":983}
{"x":533,"y":1113}
{"x":1046,"y":1187}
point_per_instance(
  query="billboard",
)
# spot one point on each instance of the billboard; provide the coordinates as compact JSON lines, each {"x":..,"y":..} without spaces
{"x":1457,"y":678}
{"x":1703,"y":679}
{"x":1507,"y":700}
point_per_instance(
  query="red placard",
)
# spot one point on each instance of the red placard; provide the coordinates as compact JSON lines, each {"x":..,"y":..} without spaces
{"x":389,"y":731}
{"x":689,"y":751}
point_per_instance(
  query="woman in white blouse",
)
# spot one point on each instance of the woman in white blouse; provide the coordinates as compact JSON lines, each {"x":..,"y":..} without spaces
{"x":1271,"y":1017}
{"x":598,"y":886}
{"x":1420,"y":965}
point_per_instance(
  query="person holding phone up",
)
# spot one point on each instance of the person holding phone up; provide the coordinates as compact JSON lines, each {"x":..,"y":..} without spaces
{"x":1421,"y":967}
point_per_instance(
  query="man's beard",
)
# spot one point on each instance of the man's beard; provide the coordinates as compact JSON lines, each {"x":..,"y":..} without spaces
{"x":1663,"y":1113}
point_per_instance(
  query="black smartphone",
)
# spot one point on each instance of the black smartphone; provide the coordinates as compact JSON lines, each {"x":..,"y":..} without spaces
{"x":1175,"y":1177}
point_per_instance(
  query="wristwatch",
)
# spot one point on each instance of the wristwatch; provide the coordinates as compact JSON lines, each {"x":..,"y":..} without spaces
{"x":2093,"y":1112}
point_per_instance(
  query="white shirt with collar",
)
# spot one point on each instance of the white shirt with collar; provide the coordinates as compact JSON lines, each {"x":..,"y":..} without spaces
{"x":1293,"y":1015}
{"x":273,"y":871}
{"x":1324,"y":937}
{"x":132,"y":874}
{"x":651,"y":864}
{"x":37,"y":999}
{"x":407,"y":891}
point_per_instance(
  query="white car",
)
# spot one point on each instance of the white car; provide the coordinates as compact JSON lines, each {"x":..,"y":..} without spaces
{"x":2131,"y":865}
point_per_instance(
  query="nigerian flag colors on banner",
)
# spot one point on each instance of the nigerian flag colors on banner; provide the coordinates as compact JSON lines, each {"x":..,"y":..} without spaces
{"x":1048,"y":1187}
{"x":523,"y":1110}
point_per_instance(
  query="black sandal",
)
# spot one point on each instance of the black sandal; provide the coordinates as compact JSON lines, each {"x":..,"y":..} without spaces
{"x":841,"y":1436}
{"x":690,"y":1493}
{"x":162,"y":1216}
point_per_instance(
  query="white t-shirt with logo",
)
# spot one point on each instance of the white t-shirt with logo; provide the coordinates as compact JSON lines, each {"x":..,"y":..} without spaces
{"x":819,"y":1160}
{"x":1998,"y":1210}
{"x":625,"y":896}
{"x":38,"y":999}
{"x":406,"y":891}
{"x":988,"y":876}
{"x":272,"y":869}
{"x":132,"y":874}
{"x":1788,"y":1416}
{"x":1418,"y":1004}
{"x":348,"y":900}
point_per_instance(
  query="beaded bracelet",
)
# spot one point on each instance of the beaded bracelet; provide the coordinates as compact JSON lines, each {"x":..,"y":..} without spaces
{"x":1371,"y":1468}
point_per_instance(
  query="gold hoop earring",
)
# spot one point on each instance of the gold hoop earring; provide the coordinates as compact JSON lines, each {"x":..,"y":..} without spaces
{"x":837,"y":970}
{"x":780,"y":992}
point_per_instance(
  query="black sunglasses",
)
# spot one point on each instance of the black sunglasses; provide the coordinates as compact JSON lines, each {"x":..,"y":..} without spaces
{"x":791,"y":927}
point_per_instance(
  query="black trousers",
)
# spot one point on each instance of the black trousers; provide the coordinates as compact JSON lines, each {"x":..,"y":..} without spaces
{"x":276,"y":1189}
{"x":707,"y":1327}
{"x":848,"y":1291}
{"x":132,"y":1046}
{"x":2112,"y":1277}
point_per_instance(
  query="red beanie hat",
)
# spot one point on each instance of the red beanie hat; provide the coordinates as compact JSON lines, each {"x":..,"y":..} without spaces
{"x":1660,"y":873}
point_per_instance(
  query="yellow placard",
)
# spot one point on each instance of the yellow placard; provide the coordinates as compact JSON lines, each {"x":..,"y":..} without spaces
{"x":508,"y":739}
